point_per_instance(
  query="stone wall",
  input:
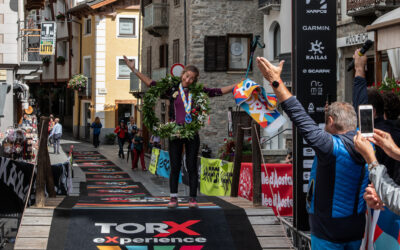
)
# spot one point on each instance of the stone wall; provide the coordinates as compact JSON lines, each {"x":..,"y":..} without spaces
{"x":219,"y":18}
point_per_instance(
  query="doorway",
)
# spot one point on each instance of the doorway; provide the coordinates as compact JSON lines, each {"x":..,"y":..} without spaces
{"x":124,"y":112}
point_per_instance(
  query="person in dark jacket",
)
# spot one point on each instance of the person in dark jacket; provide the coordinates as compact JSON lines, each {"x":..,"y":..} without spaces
{"x":122,"y":132}
{"x":96,"y":126}
{"x":339,"y":174}
{"x":380,"y":103}
{"x":138,"y":152}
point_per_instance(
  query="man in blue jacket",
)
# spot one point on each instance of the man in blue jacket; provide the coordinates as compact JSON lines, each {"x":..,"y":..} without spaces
{"x":339,"y":174}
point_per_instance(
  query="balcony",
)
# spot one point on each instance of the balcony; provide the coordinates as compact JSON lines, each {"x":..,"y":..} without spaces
{"x":87,"y":92}
{"x":267,"y":5}
{"x":156,"y":18}
{"x":365,"y":12}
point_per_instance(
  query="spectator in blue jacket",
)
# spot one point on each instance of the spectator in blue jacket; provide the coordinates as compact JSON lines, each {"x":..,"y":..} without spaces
{"x":96,"y":126}
{"x":339,"y":174}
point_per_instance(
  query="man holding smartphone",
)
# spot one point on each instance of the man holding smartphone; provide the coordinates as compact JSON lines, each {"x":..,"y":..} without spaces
{"x":339,"y":174}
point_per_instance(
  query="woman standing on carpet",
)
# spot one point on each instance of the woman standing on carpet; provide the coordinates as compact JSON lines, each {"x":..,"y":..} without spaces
{"x":96,"y":126}
{"x":181,"y":100}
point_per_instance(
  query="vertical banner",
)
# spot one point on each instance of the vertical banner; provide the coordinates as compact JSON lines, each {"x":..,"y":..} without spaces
{"x":216,"y":177}
{"x":155,"y":152}
{"x":314,"y":81}
{"x":277,"y":188}
{"x":246,"y":181}
{"x":164,"y":165}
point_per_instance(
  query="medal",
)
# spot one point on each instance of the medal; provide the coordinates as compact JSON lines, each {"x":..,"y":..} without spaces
{"x":188,"y":118}
{"x":186,"y":103}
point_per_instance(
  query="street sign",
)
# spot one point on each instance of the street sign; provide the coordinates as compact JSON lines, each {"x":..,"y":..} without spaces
{"x":177,"y":69}
{"x":48,"y":35}
{"x":314,"y":79}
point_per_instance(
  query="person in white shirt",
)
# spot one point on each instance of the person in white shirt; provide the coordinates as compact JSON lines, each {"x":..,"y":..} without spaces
{"x":56,"y":134}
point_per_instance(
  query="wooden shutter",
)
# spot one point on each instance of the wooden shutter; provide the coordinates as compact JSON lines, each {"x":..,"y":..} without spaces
{"x":164,"y":56}
{"x":175,"y":51}
{"x":215,"y":53}
{"x":148,"y":66}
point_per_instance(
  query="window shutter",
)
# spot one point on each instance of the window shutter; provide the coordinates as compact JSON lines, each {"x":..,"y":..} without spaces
{"x":163,"y":56}
{"x":215,"y":54}
{"x":148,"y":61}
{"x":222,"y":58}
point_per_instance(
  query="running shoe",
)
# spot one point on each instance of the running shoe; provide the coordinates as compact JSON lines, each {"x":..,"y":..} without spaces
{"x":173,"y":203}
{"x":193,"y":203}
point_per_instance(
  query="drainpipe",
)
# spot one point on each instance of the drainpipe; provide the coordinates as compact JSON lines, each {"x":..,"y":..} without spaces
{"x":185,"y":31}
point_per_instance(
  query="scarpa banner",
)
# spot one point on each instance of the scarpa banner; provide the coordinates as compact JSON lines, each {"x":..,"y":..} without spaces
{"x":216,"y":177}
{"x":164,"y":166}
{"x":155,"y":152}
{"x":382,"y":230}
{"x":277,"y":188}
{"x":15,"y":178}
{"x":259,"y":105}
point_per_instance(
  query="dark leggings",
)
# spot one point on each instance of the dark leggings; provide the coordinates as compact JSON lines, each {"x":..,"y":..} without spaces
{"x":96,"y":141}
{"x":121,"y":142}
{"x":175,"y":156}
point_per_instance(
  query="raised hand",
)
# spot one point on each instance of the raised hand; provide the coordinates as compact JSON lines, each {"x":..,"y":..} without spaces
{"x":364,"y":147}
{"x":385,"y":141}
{"x":270,"y":72}
{"x":130,"y":63}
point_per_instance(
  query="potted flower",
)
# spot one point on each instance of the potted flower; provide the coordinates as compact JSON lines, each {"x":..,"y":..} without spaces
{"x":46,"y":61}
{"x":389,"y":84}
{"x":60,"y":60}
{"x":227,"y":150}
{"x":60,"y":16}
{"x":78,"y":82}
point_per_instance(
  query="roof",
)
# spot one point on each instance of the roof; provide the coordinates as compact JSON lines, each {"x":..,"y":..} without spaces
{"x":92,"y":5}
{"x":389,"y":19}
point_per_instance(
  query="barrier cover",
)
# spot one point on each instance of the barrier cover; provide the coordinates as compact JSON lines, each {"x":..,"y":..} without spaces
{"x":164,"y":166}
{"x":259,"y":105}
{"x":155,"y":152}
{"x":216,"y":177}
{"x":15,"y":178}
{"x":281,"y":180}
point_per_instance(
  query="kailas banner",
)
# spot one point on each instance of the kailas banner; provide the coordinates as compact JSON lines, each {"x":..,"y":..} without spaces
{"x":164,"y":166}
{"x":277,"y":188}
{"x":15,"y":178}
{"x":259,"y":105}
{"x":155,"y":152}
{"x":246,"y":181}
{"x":216,"y":177}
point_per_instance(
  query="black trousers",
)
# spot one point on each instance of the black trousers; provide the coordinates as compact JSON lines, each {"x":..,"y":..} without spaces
{"x":96,"y":141}
{"x":175,"y":155}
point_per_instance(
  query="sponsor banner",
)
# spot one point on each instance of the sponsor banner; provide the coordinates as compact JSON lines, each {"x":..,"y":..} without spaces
{"x":216,"y":177}
{"x":15,"y":178}
{"x":155,"y":152}
{"x":246,"y":181}
{"x":382,"y":230}
{"x":164,"y":166}
{"x":279,"y":178}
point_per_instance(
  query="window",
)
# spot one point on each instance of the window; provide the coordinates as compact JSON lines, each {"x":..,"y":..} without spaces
{"x":177,"y":3}
{"x":215,"y":58}
{"x":277,"y":41}
{"x":88,"y":26}
{"x":146,"y":2}
{"x":1,"y":18}
{"x":238,"y":52}
{"x":123,"y":69}
{"x":62,"y":49}
{"x":164,"y":56}
{"x":148,"y":64}
{"x":87,"y":66}
{"x":175,"y":51}
{"x":126,"y":26}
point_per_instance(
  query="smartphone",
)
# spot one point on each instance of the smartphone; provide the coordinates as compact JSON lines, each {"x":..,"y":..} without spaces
{"x":366,"y":120}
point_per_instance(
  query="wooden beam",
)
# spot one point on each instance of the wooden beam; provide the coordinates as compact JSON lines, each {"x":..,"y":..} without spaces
{"x":237,"y":160}
{"x":41,"y":161}
{"x":255,"y":128}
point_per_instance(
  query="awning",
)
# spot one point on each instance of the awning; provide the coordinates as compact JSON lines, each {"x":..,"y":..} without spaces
{"x":388,"y":30}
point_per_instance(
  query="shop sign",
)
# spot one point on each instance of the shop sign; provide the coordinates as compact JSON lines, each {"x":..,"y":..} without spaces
{"x":355,"y":39}
{"x":48,"y":35}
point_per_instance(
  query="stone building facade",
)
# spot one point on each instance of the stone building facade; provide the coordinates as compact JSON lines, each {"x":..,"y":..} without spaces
{"x":208,"y":23}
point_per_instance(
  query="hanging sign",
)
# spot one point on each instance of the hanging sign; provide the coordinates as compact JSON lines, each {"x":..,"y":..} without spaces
{"x":48,"y":35}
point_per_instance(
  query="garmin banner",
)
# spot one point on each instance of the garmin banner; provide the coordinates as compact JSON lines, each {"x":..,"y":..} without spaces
{"x":314,"y":82}
{"x":15,"y":178}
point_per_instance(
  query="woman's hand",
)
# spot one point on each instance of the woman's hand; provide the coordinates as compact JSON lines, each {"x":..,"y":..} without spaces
{"x":364,"y":147}
{"x":385,"y":141}
{"x":130,"y":64}
{"x":372,"y":199}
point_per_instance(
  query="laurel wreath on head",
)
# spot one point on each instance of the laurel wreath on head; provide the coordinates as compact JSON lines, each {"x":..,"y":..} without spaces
{"x":171,"y":130}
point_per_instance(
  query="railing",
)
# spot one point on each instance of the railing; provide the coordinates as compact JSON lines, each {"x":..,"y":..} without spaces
{"x":363,"y":7}
{"x":268,"y":3}
{"x":156,"y":17}
{"x":29,"y":33}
